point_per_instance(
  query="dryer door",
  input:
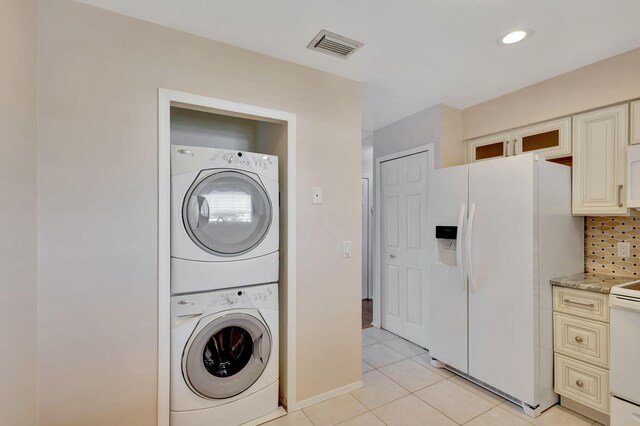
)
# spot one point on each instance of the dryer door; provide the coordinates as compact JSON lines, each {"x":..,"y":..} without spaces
{"x":227,"y":213}
{"x":227,"y":356}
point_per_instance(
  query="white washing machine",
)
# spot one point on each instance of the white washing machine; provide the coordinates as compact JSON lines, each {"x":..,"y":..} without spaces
{"x":224,"y":356}
{"x":224,"y":219}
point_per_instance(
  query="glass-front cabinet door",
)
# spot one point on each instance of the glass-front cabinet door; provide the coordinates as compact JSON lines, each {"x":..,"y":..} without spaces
{"x":488,"y":147}
{"x":551,"y":139}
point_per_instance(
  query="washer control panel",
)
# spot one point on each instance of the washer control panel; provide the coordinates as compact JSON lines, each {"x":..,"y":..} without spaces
{"x":187,"y":307}
{"x":241,"y":298}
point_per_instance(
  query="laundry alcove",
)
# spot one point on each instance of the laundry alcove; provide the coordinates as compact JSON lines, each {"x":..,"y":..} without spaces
{"x":198,"y":121}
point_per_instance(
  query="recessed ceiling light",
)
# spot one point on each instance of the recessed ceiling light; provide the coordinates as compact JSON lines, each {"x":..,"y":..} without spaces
{"x":514,"y":37}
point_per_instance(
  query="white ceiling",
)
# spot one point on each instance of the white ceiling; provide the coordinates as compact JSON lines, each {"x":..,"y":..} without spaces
{"x":417,"y":53}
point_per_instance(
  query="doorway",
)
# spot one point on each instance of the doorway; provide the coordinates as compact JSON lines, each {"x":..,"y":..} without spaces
{"x":401,"y":250}
{"x":367,"y":282}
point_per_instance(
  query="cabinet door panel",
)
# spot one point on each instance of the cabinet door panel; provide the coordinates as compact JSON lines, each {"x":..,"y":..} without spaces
{"x":549,"y":140}
{"x":635,"y":122}
{"x":489,"y":147}
{"x":599,"y":145}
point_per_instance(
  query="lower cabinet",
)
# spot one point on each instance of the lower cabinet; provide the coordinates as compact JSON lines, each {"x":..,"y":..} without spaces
{"x":581,"y":351}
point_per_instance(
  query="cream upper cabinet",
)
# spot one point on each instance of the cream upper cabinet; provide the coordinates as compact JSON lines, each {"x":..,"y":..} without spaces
{"x":635,"y":122}
{"x":599,"y":156}
{"x":488,"y":147}
{"x":549,"y":140}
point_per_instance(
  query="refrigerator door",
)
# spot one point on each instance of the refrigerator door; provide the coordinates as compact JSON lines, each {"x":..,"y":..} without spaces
{"x":503,"y":329}
{"x":447,"y":277}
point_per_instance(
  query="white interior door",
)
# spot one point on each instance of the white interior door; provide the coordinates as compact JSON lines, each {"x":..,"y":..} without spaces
{"x":403,"y":249}
{"x":447,"y":273}
{"x":365,"y":238}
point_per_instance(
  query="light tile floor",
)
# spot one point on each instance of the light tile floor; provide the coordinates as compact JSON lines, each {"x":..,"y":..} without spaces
{"x":402,"y":388}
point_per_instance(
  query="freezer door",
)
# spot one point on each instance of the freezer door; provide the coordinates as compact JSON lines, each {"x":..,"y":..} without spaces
{"x":503,"y":329}
{"x":624,"y":413}
{"x":447,"y":278}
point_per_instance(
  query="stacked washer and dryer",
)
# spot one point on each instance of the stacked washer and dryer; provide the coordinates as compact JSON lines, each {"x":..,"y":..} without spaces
{"x":224,"y":273}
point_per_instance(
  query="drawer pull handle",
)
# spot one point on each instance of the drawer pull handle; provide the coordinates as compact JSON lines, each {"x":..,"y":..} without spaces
{"x":578,"y":339}
{"x":574,"y":302}
{"x":579,"y":383}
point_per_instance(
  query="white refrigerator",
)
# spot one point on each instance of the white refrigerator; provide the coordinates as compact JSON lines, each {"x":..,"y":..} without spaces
{"x":505,"y":228}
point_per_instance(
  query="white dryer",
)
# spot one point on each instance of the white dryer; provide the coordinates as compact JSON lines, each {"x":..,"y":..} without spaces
{"x":224,"y":356}
{"x":224,"y":219}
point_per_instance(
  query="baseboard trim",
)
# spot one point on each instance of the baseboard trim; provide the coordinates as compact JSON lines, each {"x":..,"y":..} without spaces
{"x":328,"y":395}
{"x":278,"y":413}
{"x":600,"y":417}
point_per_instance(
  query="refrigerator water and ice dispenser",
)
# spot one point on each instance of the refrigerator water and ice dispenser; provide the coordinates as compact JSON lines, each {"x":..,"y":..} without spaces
{"x":446,"y":237}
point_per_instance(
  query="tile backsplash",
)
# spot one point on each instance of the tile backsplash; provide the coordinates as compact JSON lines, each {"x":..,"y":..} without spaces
{"x":601,"y":238}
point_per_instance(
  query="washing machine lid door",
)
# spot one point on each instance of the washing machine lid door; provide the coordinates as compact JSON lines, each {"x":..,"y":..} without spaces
{"x":227,"y":356}
{"x":227,"y":213}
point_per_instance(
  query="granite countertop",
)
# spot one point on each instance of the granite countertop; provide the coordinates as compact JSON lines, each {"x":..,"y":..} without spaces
{"x":596,"y":283}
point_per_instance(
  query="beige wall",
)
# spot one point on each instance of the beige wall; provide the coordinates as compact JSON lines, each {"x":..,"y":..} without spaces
{"x":606,"y":82}
{"x":97,"y":121}
{"x":18,"y":212}
{"x":440,"y":125}
{"x":418,"y":129}
{"x":452,"y":148}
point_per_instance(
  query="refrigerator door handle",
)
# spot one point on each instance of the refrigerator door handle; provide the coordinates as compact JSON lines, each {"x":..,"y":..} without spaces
{"x":472,"y":211}
{"x":461,"y":215}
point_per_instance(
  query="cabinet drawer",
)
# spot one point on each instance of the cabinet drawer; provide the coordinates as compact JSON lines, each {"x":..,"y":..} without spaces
{"x":582,"y":339}
{"x":581,"y":303}
{"x":582,"y":383}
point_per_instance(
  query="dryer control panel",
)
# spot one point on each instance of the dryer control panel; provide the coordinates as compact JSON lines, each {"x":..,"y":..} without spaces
{"x":234,"y":158}
{"x":192,"y":158}
{"x":250,"y":159}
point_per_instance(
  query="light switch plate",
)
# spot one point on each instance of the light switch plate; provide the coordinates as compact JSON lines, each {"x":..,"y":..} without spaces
{"x":624,"y":249}
{"x":346,"y":249}
{"x":316,"y":195}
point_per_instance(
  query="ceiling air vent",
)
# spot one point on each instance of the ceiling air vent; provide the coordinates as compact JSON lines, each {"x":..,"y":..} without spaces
{"x":334,"y":44}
